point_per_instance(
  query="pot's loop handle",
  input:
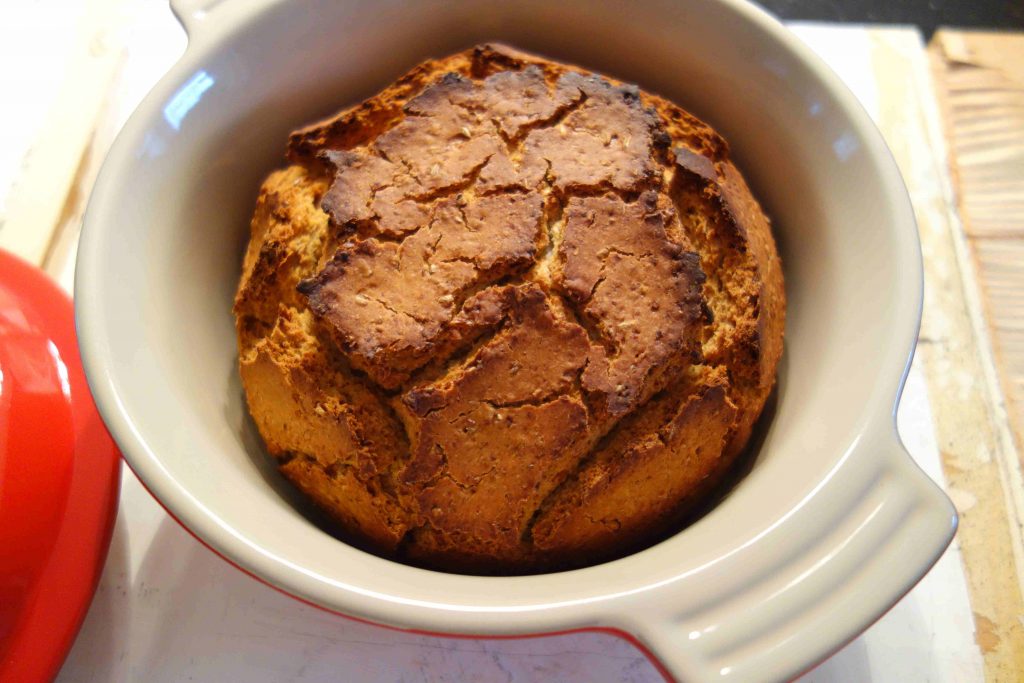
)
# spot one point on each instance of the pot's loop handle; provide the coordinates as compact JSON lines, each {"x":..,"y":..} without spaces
{"x":843,"y":557}
{"x":192,"y":13}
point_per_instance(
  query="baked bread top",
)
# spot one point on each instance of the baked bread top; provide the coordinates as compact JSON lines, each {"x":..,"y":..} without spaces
{"x":508,"y":315}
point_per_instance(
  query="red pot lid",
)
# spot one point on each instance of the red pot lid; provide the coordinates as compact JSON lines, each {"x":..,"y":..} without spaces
{"x":59,"y":477}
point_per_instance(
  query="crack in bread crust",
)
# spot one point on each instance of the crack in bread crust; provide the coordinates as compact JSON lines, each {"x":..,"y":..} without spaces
{"x":539,"y":288}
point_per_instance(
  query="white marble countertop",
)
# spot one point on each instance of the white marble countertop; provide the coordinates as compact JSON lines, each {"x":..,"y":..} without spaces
{"x":168,"y":609}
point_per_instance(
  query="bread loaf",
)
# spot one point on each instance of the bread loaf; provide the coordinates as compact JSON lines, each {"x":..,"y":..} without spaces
{"x":507,"y":315}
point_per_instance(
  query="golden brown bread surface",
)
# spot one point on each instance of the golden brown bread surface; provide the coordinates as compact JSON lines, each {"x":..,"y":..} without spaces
{"x":508,"y":315}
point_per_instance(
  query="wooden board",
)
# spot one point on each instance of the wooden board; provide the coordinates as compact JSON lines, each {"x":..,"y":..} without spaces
{"x":980,"y":84}
{"x":973,"y":271}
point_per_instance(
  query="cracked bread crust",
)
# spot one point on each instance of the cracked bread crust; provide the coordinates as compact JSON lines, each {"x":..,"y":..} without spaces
{"x":508,"y":316}
{"x":638,"y":289}
{"x":390,"y":302}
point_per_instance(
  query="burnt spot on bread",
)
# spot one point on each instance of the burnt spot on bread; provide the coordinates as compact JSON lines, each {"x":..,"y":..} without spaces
{"x":495,"y":58}
{"x":605,"y":143}
{"x":457,"y":129}
{"x":535,"y":357}
{"x":638,"y":288}
{"x":540,"y":288}
{"x":732,"y":287}
{"x":391,"y":302}
{"x":514,"y":101}
{"x":371,"y":189}
{"x":698,"y":164}
{"x":456,"y":134}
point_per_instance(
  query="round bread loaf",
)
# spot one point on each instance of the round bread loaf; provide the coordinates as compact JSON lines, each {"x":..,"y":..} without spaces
{"x":508,"y":315}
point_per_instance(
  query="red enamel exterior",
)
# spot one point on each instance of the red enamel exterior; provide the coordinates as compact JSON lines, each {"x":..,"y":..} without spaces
{"x":59,"y":477}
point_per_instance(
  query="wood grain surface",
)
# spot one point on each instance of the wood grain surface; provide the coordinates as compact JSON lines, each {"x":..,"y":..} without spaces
{"x":973,"y":274}
{"x":979,"y":79}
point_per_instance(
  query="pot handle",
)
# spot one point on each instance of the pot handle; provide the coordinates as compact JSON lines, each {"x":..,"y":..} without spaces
{"x":868,"y":538}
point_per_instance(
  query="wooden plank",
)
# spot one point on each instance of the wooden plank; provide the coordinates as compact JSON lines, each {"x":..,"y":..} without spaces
{"x":979,"y":455}
{"x":979,"y":77}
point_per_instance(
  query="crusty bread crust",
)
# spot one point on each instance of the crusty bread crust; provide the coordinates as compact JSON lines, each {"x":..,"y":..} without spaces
{"x":508,"y":316}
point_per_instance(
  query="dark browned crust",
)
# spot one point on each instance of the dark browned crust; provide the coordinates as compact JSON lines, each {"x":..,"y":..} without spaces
{"x":390,"y":303}
{"x":638,"y":289}
{"x":508,"y":315}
